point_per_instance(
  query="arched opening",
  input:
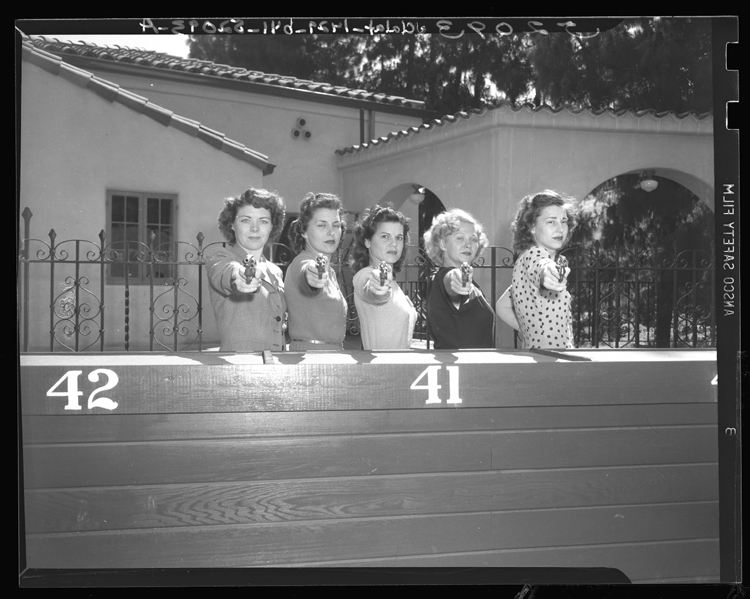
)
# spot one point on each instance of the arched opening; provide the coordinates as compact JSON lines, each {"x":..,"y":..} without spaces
{"x":643,"y":265}
{"x":418,"y":203}
{"x":429,"y":208}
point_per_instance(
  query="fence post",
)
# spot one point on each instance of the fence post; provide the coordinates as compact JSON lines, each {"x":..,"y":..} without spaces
{"x":26,"y":214}
{"x":694,"y":323}
{"x":618,"y":314}
{"x":102,"y":274}
{"x":200,"y":239}
{"x":493,"y":262}
{"x":637,"y":286}
{"x":127,"y":295}
{"x":151,"y":307}
{"x":712,"y":295}
{"x":576,"y":264}
{"x":595,"y":310}
{"x":52,"y":236}
{"x":675,"y":319}
{"x":77,"y":283}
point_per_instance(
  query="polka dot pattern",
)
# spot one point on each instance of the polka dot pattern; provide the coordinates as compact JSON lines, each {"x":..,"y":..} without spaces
{"x":544,"y":315}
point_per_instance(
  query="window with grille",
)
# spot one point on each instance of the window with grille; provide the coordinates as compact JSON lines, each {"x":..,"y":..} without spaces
{"x":140,"y":243}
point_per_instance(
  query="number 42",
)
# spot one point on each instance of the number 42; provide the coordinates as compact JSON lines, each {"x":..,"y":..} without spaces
{"x":432,"y":386}
{"x":72,"y":393}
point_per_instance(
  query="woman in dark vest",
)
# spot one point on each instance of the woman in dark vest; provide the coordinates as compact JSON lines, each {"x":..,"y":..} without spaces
{"x":458,"y":315}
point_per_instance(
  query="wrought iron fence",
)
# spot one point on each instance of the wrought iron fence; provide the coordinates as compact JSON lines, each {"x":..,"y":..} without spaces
{"x":645,"y":298}
{"x":620,"y":298}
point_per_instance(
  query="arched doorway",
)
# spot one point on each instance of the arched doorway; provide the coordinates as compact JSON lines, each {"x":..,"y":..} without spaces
{"x":429,"y":208}
{"x":643,"y":270}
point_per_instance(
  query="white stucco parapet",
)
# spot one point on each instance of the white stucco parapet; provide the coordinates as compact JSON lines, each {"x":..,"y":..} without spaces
{"x":466,"y":123}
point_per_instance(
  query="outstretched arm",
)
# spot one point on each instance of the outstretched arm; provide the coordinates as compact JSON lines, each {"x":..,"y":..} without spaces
{"x":227,"y":275}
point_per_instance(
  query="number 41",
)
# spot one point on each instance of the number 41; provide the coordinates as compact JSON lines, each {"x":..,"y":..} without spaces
{"x":432,"y":386}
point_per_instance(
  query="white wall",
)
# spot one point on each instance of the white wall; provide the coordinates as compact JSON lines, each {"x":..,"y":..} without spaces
{"x":485,"y":164}
{"x":74,"y":146}
{"x":265,"y":123}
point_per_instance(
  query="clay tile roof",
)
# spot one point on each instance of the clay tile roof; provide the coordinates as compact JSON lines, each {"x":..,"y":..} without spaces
{"x":204,"y":67}
{"x":528,"y":108}
{"x":114,"y":93}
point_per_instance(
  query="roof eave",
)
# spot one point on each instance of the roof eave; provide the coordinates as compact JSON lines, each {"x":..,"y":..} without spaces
{"x":113,"y":93}
{"x":90,"y":63}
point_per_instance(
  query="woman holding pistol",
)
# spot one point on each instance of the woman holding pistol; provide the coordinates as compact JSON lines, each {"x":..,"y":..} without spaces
{"x":458,"y":315}
{"x":539,"y":294}
{"x":246,"y":290}
{"x":386,"y":314}
{"x":317,"y":308}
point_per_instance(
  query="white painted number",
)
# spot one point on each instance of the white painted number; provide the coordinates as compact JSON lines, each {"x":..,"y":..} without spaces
{"x":72,"y":392}
{"x":103,"y":402}
{"x":432,"y":384}
{"x":433,"y":387}
{"x":453,"y":378}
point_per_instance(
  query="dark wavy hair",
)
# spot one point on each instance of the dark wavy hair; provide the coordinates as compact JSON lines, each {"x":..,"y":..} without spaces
{"x":257,"y":198}
{"x":365,"y":229}
{"x":529,"y":209}
{"x":310,"y":203}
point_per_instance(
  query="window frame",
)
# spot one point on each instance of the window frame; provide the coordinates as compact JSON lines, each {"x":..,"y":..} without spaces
{"x":141,"y":276}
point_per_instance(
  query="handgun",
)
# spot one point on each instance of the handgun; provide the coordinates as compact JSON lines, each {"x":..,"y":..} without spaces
{"x":384,"y":270}
{"x":250,"y":264}
{"x":562,"y":264}
{"x":322,"y":263}
{"x":466,"y":271}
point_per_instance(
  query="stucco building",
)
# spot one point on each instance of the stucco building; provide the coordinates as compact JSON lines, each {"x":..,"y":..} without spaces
{"x":98,"y":120}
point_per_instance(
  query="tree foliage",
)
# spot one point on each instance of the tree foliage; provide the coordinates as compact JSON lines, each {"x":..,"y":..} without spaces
{"x":660,"y":64}
{"x":661,"y":242}
{"x":619,"y":214}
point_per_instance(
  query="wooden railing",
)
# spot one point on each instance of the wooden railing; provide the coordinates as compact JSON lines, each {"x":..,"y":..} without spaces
{"x":385,"y":459}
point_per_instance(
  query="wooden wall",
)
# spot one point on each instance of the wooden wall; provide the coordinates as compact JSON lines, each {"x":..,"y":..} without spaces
{"x":600,"y":459}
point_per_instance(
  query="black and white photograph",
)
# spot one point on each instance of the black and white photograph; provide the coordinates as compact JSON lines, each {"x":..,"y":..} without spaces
{"x":389,"y":300}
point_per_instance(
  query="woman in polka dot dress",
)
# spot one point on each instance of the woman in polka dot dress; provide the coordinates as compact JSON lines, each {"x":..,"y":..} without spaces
{"x":539,"y":294}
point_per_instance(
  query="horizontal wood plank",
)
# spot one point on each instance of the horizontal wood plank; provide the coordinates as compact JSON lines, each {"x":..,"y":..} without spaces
{"x":160,"y":506}
{"x":604,"y":447}
{"x":305,"y":387}
{"x":260,"y":545}
{"x":154,"y":427}
{"x":252,"y":459}
{"x":140,"y":463}
{"x":290,"y":543}
{"x":694,"y":561}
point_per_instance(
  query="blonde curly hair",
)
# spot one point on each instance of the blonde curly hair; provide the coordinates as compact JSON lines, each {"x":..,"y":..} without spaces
{"x":446,"y":224}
